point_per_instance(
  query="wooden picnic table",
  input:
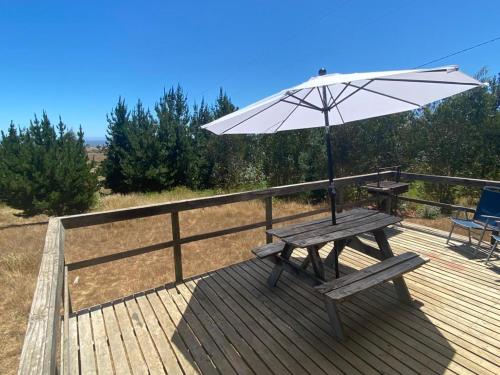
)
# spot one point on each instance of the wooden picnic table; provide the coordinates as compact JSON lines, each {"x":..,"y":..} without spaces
{"x":315,"y":234}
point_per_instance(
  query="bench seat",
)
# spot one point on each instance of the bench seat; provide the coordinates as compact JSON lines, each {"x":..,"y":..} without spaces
{"x":393,"y":268}
{"x":269,"y":249}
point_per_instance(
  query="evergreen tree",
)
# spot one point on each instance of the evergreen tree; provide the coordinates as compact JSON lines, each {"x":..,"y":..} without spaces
{"x":226,"y":151}
{"x":141,"y":166}
{"x":117,"y":148}
{"x":202,"y":161}
{"x":44,"y":171}
{"x":175,"y":143}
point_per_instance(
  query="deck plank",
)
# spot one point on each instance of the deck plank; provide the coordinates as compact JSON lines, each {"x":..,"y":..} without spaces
{"x":137,"y":362}
{"x":231,"y":321}
{"x":148,"y":348}
{"x":120,"y":361}
{"x":185,"y":332}
{"x":181,"y":351}
{"x":88,"y":365}
{"x":102,"y":354}
{"x":162,"y":345}
{"x":74,"y":360}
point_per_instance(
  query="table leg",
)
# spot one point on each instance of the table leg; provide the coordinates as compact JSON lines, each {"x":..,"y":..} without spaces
{"x":273,"y":278}
{"x":399,"y":282}
{"x":332,"y":260}
{"x":306,"y":262}
{"x":316,"y":262}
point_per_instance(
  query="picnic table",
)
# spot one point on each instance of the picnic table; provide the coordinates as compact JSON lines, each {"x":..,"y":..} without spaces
{"x":313,"y":235}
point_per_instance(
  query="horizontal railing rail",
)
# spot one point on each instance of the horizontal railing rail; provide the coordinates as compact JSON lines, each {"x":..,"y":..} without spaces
{"x":463,"y":181}
{"x":39,"y":353}
{"x":452,"y":207}
{"x":204,"y":236}
{"x":96,"y":218}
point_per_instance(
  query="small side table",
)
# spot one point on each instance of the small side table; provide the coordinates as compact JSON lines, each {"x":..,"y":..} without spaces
{"x":387,"y":189}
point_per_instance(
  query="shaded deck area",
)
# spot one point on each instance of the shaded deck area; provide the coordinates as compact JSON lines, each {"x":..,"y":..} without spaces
{"x":230,"y":321}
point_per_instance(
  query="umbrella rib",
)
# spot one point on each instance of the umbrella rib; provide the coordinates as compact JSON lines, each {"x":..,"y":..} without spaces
{"x":305,"y":102}
{"x":331,"y":96}
{"x":389,"y":96}
{"x":291,"y":112}
{"x":427,"y":81}
{"x":298,"y":104}
{"x":352,"y":93}
{"x":333,"y":102}
{"x":346,"y":85}
{"x":255,"y":114}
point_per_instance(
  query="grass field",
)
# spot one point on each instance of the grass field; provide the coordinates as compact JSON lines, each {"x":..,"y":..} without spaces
{"x":21,"y":244}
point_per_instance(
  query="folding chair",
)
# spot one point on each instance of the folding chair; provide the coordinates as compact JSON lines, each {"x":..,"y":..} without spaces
{"x":484,"y":219}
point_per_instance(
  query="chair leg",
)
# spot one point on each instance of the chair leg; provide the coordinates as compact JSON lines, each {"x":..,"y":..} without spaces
{"x":481,"y":239}
{"x":493,"y":248}
{"x":451,"y":231}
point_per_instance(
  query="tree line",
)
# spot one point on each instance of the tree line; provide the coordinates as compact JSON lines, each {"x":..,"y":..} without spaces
{"x":158,"y":149}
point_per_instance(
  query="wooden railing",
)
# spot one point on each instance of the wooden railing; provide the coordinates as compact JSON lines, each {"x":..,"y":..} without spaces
{"x":39,"y":354}
{"x":40,"y":343}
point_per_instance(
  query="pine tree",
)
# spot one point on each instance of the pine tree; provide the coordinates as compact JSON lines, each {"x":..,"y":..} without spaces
{"x":175,"y":144}
{"x":226,"y":151}
{"x":44,"y":171}
{"x":203,"y":163}
{"x":117,"y":148}
{"x":141,"y":167}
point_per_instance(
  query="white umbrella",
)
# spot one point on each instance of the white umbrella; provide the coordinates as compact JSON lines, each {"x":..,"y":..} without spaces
{"x":335,"y":99}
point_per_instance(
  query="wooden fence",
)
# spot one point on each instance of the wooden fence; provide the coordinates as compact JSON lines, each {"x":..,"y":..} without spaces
{"x":39,"y":353}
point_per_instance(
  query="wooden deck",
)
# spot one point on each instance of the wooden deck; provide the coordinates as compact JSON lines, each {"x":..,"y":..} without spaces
{"x":228,"y":321}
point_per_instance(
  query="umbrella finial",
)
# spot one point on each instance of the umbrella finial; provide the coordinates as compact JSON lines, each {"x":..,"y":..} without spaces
{"x":322,"y":72}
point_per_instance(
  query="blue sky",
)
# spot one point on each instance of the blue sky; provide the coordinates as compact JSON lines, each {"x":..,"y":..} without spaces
{"x":75,"y":59}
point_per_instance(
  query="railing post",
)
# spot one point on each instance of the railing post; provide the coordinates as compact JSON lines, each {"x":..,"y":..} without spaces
{"x":176,"y":236}
{"x":269,"y":218}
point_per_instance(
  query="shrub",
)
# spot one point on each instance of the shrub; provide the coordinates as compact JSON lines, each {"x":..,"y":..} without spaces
{"x":428,"y":212}
{"x":44,"y":171}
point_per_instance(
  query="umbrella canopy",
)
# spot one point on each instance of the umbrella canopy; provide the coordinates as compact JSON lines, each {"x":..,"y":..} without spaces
{"x":335,"y":99}
{"x":349,"y":97}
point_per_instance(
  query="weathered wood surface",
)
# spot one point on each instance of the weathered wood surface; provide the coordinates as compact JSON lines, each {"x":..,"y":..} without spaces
{"x":83,"y":220}
{"x":463,"y":181}
{"x":269,"y":249}
{"x":39,"y":354}
{"x":373,"y":277}
{"x":184,"y":240}
{"x":387,"y":187}
{"x":365,"y":272}
{"x":437,"y":204}
{"x":453,"y":327}
{"x":349,"y":224}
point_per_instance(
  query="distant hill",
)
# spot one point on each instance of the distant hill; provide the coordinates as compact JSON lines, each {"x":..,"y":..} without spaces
{"x":95,"y":141}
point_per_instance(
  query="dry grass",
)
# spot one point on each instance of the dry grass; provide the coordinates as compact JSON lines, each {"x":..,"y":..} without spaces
{"x":21,"y":246}
{"x":20,"y":253}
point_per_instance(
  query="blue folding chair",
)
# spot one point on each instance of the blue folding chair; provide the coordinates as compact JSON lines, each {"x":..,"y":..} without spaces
{"x":484,"y":219}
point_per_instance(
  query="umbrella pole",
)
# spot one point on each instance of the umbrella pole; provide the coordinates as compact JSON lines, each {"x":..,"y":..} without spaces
{"x":331,"y":185}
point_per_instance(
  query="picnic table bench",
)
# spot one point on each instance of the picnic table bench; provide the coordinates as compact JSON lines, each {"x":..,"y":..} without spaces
{"x":314,"y":235}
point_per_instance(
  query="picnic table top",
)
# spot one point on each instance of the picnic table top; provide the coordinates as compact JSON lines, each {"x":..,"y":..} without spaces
{"x":349,"y":224}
